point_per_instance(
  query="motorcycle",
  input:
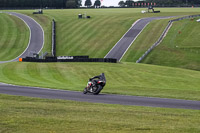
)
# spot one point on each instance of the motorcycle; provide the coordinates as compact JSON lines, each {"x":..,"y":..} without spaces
{"x":95,"y":86}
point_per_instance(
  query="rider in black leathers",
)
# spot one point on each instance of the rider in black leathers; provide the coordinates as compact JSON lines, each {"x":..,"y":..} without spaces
{"x":99,"y":77}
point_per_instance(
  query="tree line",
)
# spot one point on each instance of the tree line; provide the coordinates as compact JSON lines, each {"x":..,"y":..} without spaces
{"x":97,"y":3}
{"x":40,"y":3}
{"x":47,"y":3}
{"x":88,"y":3}
{"x":159,"y":3}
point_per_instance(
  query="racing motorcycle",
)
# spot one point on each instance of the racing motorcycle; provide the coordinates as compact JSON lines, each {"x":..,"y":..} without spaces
{"x":95,"y":84}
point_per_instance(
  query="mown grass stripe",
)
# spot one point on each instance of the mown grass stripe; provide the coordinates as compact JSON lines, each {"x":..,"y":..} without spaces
{"x":12,"y":73}
{"x":2,"y":28}
{"x":34,"y":73}
{"x":90,"y":37}
{"x":56,"y":75}
{"x":14,"y":31}
{"x":11,"y":37}
{"x":73,"y":42}
{"x":68,"y":36}
{"x":6,"y":24}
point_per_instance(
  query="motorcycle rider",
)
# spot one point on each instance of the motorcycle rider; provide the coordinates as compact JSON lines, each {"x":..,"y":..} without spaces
{"x":99,"y":77}
{"x":95,"y":84}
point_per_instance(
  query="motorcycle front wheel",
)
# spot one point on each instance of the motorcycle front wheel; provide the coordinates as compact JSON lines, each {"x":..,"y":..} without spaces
{"x":85,"y":90}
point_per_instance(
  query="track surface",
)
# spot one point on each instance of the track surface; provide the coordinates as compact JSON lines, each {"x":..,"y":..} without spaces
{"x":118,"y":51}
{"x":36,"y":44}
{"x":36,"y":40}
{"x":102,"y":98}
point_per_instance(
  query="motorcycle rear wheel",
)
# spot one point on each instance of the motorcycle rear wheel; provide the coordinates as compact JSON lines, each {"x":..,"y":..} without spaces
{"x":98,"y":90}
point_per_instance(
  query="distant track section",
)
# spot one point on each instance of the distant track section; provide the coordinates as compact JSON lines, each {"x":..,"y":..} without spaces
{"x":102,"y":98}
{"x":36,"y":40}
{"x":122,"y":46}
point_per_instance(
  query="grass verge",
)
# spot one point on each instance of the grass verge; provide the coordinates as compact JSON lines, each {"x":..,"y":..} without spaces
{"x":22,"y":115}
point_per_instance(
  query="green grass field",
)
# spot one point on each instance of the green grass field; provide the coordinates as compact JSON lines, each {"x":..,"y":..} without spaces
{"x":92,"y":37}
{"x":132,"y":79}
{"x":182,"y":44}
{"x":125,"y":78}
{"x":22,"y":115}
{"x":14,"y":37}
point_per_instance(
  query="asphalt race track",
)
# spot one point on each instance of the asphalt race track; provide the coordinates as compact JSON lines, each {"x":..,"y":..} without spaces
{"x":36,"y":44}
{"x":101,"y":98}
{"x":36,"y":40}
{"x":118,"y":51}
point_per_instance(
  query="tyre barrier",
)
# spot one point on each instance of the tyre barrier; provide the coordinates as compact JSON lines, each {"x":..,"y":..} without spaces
{"x":70,"y":59}
{"x":53,"y":38}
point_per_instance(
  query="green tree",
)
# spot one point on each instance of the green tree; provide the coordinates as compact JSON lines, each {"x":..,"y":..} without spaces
{"x":129,"y":3}
{"x":71,"y":4}
{"x":121,"y":4}
{"x":97,"y":3}
{"x":88,"y":3}
{"x":79,"y":3}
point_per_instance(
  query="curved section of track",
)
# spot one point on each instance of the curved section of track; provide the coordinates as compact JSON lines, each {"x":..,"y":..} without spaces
{"x":121,"y":47}
{"x":36,"y":40}
{"x":102,"y":98}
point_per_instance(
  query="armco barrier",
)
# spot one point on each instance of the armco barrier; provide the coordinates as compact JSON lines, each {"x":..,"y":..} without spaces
{"x":163,"y":35}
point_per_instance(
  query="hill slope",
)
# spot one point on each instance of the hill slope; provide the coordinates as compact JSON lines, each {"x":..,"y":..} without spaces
{"x":180,"y":48}
{"x":14,"y":37}
{"x":96,"y":36}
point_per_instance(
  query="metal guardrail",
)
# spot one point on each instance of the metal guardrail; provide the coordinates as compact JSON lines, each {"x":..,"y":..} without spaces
{"x":163,"y":35}
{"x":53,"y":38}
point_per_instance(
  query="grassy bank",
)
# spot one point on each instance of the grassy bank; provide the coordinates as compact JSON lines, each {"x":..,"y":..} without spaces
{"x":126,"y":78}
{"x":22,"y":115}
{"x":14,"y":37}
{"x":182,"y":44}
